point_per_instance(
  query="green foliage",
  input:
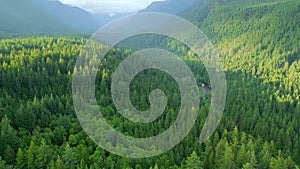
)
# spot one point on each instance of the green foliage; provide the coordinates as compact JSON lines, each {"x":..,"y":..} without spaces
{"x":259,"y":129}
{"x":193,"y":162}
{"x":68,"y":157}
{"x":4,"y":165}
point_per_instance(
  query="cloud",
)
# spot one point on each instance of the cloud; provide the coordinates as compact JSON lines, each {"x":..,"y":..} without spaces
{"x":110,"y":6}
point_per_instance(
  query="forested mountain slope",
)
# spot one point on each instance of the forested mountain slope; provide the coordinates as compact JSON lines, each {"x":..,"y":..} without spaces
{"x":260,"y":126}
{"x":39,"y":128}
{"x":261,"y":40}
{"x":169,"y":6}
{"x":260,"y":37}
{"x":25,"y":17}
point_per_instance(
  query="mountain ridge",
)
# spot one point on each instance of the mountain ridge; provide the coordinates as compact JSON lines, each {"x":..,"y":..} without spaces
{"x":34,"y":17}
{"x":169,"y":6}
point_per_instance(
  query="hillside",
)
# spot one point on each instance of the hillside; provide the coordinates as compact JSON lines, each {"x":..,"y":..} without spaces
{"x":255,"y":37}
{"x":38,"y":117}
{"x":258,"y":41}
{"x":43,"y":17}
{"x":169,"y":6}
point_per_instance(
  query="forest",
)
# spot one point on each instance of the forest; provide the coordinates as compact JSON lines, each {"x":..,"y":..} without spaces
{"x":258,"y":43}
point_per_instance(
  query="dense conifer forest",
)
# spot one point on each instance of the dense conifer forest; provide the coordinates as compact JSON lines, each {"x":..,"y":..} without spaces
{"x":258,"y":43}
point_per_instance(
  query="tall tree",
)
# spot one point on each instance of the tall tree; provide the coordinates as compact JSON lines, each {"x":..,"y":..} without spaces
{"x":68,"y":157}
{"x":193,"y":161}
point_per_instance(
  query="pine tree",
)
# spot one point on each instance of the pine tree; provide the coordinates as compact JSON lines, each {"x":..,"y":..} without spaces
{"x":228,"y":159}
{"x":248,"y":166}
{"x":242,"y":156}
{"x":9,"y":155}
{"x":278,"y":163}
{"x":8,"y":136}
{"x":193,"y":161}
{"x":265,"y":157}
{"x":68,"y":157}
{"x":21,"y":159}
{"x":25,"y":118}
{"x":59,"y":163}
{"x":44,"y":155}
{"x":253,"y":160}
{"x":32,"y":155}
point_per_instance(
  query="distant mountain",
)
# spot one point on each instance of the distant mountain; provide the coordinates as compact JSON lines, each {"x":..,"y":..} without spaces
{"x":76,"y":18}
{"x":169,"y":6}
{"x":46,"y":17}
{"x":102,"y":19}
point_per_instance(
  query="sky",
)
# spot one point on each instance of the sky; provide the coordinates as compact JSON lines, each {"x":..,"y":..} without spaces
{"x":110,"y":6}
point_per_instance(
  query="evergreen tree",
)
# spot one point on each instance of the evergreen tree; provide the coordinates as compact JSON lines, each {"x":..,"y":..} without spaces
{"x":68,"y":157}
{"x":32,"y":153}
{"x":228,"y":159}
{"x":21,"y":159}
{"x":193,"y":161}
